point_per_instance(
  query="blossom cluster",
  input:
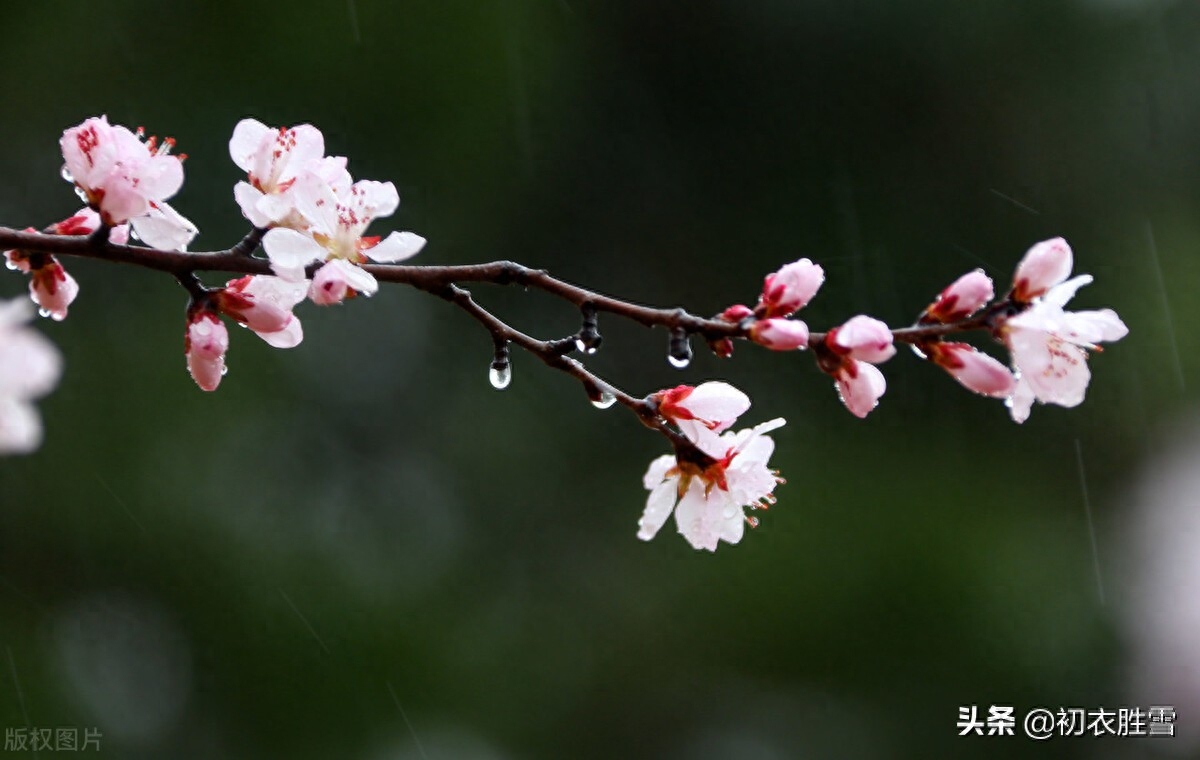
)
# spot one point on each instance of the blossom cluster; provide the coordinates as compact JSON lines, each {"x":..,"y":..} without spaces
{"x":311,"y":218}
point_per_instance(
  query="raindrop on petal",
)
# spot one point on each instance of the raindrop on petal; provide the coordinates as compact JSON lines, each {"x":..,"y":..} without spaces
{"x":66,"y":174}
{"x":500,"y":377}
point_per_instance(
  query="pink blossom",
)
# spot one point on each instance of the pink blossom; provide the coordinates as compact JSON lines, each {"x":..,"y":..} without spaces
{"x":852,"y":350}
{"x":709,"y":500}
{"x":336,"y":232}
{"x":962,"y":298}
{"x":779,"y":334}
{"x":205,"y":344}
{"x":1045,"y":265}
{"x":974,"y":369}
{"x":273,"y":159}
{"x":264,"y":304}
{"x":790,"y":289}
{"x":30,"y":367}
{"x":118,"y":174}
{"x":1048,"y":347}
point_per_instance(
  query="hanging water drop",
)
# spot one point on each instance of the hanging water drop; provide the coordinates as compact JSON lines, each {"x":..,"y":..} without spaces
{"x":920,"y":354}
{"x":589,"y":338}
{"x":679,"y":350}
{"x":43,"y":312}
{"x":500,"y":377}
{"x":66,"y":174}
{"x":82,"y":195}
{"x":604,"y":400}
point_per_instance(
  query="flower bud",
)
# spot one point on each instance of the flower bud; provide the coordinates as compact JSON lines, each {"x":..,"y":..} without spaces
{"x":962,"y":298}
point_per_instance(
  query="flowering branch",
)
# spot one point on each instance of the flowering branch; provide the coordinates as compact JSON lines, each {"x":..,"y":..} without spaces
{"x":309,"y":218}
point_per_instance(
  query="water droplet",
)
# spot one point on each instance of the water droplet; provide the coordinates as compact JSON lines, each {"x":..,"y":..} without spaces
{"x":752,"y":521}
{"x":66,"y":174}
{"x":920,"y":354}
{"x":43,"y":312}
{"x":11,"y":265}
{"x":82,"y":195}
{"x":605,"y":400}
{"x":224,"y":369}
{"x":133,"y":233}
{"x":580,"y":346}
{"x":679,"y":349}
{"x":500,"y":377}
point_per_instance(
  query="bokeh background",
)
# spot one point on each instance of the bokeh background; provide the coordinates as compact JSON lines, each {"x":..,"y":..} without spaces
{"x":359,"y":549}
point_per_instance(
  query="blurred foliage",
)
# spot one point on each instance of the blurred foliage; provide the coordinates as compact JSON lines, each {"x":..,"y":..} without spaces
{"x":359,"y":549}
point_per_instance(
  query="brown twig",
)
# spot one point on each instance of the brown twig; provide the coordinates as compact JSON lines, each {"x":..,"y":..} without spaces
{"x":445,"y":281}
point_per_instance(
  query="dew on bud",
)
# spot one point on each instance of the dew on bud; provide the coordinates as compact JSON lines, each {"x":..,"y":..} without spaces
{"x":500,"y":377}
{"x":66,"y":174}
{"x":82,"y":195}
{"x":752,"y":522}
{"x":604,"y":401}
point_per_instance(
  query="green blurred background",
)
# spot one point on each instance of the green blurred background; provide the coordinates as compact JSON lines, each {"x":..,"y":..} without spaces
{"x":359,"y":549}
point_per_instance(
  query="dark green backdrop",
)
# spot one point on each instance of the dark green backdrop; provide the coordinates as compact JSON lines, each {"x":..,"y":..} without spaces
{"x":359,"y":549}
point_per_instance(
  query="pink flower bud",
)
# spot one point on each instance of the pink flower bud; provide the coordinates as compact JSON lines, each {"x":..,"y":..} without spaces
{"x":85,"y":222}
{"x":53,"y":289}
{"x":975,"y":370}
{"x":1044,"y":265}
{"x":205,"y":344}
{"x":859,"y":386}
{"x":863,"y":338}
{"x":736,"y":313}
{"x":780,"y":334}
{"x":965,"y":296}
{"x":337,"y":279}
{"x":722,"y":347}
{"x":790,"y":289}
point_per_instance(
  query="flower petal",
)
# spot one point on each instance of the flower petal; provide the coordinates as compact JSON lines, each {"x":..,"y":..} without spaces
{"x":397,"y":246}
{"x":290,"y":251}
